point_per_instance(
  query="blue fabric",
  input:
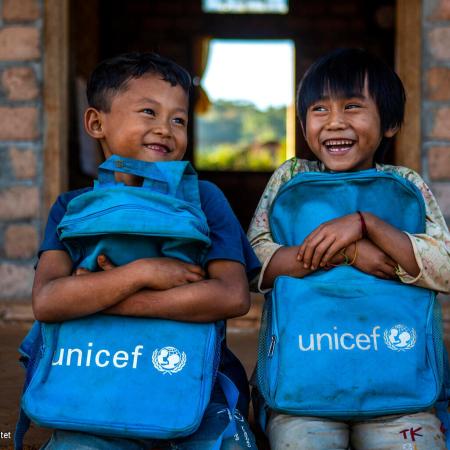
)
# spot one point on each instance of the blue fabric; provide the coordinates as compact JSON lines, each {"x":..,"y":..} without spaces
{"x":228,"y":241}
{"x":342,"y":343}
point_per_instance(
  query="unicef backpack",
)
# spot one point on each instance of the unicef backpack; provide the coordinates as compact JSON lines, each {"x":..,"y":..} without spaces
{"x":127,"y":376}
{"x":341,"y":343}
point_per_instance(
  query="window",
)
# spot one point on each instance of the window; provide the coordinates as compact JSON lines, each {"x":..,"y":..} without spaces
{"x":247,"y":120}
{"x":245,"y":6}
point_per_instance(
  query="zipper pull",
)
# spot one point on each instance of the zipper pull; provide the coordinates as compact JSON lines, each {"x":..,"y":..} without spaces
{"x":273,"y":341}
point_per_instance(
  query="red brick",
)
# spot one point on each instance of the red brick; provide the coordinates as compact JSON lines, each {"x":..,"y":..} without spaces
{"x":20,"y":83}
{"x":19,"y":202}
{"x":438,"y":40}
{"x":438,"y":84}
{"x":441,"y":128}
{"x":20,"y":241}
{"x":20,"y":9}
{"x":18,"y":123}
{"x":441,"y":11}
{"x":16,"y":281}
{"x":23,"y":162}
{"x":439,"y":163}
{"x":19,"y":43}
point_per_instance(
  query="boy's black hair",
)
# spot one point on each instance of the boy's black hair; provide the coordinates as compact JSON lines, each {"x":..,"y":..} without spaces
{"x":343,"y":73}
{"x":112,"y":75}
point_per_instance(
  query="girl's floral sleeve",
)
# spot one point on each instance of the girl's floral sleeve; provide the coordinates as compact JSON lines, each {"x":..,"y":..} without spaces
{"x":432,"y":248}
{"x":259,"y":233}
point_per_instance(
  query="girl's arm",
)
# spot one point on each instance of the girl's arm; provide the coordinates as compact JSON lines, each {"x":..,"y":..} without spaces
{"x":420,"y":259}
{"x":279,"y":260}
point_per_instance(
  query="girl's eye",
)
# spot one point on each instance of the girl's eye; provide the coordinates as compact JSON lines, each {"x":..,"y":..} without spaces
{"x":179,"y":121}
{"x":318,"y":108}
{"x":352,"y":106}
{"x":148,"y":111}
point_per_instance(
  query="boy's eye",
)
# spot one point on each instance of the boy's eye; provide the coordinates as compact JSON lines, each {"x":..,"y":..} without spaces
{"x":148,"y":111}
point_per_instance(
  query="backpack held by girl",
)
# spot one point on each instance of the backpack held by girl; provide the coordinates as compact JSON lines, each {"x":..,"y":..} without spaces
{"x":128,"y":376}
{"x":343,"y":344}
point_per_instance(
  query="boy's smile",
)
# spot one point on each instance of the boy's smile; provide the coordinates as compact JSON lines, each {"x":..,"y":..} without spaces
{"x":147,"y":120}
{"x":344,"y":133}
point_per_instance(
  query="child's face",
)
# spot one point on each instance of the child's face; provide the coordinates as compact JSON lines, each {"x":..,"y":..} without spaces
{"x":147,"y":121}
{"x":344,"y":133}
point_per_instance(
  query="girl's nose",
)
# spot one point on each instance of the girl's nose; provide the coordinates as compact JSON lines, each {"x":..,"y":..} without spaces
{"x":336,"y":120}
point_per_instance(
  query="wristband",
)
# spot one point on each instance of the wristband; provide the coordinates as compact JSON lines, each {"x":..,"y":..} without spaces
{"x":363,"y":225}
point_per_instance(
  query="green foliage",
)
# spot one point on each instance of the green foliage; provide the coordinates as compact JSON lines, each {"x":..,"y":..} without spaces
{"x":238,"y":136}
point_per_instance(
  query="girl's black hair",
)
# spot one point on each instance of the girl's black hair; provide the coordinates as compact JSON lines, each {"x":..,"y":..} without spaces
{"x":343,"y":73}
{"x":112,"y":75}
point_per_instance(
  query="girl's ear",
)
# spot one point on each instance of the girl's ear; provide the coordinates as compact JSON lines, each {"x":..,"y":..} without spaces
{"x":391,"y":132}
{"x":93,"y":123}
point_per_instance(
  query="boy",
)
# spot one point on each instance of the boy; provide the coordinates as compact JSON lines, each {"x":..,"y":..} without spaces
{"x":350,"y":105}
{"x":138,"y":108}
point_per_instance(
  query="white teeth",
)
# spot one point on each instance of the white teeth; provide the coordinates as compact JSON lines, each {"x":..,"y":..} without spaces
{"x":158,"y":148}
{"x":338,"y":142}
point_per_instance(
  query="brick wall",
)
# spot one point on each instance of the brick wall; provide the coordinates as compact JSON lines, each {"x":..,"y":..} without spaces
{"x":436,"y":100}
{"x":20,"y":144}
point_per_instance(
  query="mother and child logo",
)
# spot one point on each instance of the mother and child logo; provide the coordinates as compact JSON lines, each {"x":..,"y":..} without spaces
{"x":397,"y":338}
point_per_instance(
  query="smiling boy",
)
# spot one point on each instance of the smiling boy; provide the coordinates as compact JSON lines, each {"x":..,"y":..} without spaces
{"x":138,"y":108}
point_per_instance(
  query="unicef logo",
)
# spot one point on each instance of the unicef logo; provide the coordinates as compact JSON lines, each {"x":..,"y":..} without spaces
{"x":400,"y":338}
{"x":168,"y":360}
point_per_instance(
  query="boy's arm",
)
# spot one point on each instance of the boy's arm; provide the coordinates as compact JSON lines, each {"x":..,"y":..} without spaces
{"x":224,"y":294}
{"x":57,"y":295}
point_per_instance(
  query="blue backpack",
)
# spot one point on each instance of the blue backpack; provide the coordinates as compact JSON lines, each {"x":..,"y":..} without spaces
{"x":341,"y":343}
{"x":128,"y":376}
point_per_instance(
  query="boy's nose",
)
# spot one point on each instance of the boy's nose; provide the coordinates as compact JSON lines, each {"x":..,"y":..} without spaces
{"x":162,"y":128}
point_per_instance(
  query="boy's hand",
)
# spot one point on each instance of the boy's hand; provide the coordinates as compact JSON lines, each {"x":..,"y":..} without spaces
{"x":328,"y":239}
{"x":370,"y":259}
{"x":158,"y":273}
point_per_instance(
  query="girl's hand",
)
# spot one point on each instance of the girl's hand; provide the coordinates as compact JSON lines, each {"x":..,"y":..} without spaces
{"x":328,"y":239}
{"x":372,"y":260}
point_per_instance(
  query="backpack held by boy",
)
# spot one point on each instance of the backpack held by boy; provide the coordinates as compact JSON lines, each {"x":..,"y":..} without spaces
{"x":372,"y":346}
{"x":122,"y":376}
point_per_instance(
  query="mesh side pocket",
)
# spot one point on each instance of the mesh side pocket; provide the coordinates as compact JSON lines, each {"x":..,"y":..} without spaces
{"x":265,"y":336}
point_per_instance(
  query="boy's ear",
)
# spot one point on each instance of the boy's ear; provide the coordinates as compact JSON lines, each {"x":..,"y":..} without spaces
{"x":93,"y":123}
{"x":391,"y":132}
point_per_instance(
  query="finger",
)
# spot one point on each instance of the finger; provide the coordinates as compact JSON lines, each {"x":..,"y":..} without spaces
{"x":310,"y":248}
{"x":195,"y":269}
{"x":320,"y":250}
{"x":310,"y":238}
{"x":81,"y":271}
{"x":104,"y":263}
{"x":332,"y":250}
{"x":193,"y":277}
